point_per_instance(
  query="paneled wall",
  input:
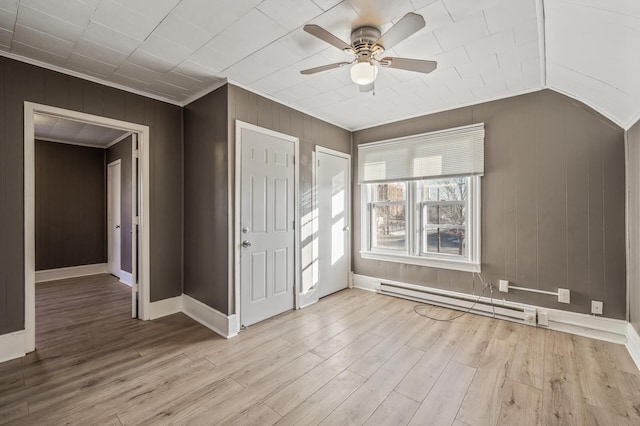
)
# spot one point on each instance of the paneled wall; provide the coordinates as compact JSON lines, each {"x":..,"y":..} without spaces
{"x":633,"y":206}
{"x":209,"y":164}
{"x":553,"y":202}
{"x":205,"y":199}
{"x":70,"y":205}
{"x":122,"y":151}
{"x":21,"y":82}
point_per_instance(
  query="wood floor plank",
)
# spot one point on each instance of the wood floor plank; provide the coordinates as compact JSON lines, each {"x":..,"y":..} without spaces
{"x":425,"y":373}
{"x":443,"y":401}
{"x":316,"y":407}
{"x":482,"y":403}
{"x":258,"y":415}
{"x":365,"y":400}
{"x":562,"y":398}
{"x":395,"y":410}
{"x":521,"y":405}
{"x":296,"y":392}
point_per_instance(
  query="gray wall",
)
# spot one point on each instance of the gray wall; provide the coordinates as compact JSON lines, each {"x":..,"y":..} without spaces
{"x":20,"y":82}
{"x":209,"y":131}
{"x":633,"y":206}
{"x":70,"y":205}
{"x":205,"y":199}
{"x":122,"y":151}
{"x":553,"y":202}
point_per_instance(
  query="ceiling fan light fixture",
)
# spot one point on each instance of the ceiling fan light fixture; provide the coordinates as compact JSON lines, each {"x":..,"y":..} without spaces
{"x":364,"y":73}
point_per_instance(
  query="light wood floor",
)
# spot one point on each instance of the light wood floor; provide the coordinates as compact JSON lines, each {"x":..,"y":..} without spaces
{"x":354,"y":358}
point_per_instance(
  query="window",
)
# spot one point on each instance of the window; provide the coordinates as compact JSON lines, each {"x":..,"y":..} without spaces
{"x":422,"y":218}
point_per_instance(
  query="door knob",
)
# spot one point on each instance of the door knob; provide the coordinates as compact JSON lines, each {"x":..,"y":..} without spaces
{"x":346,"y":228}
{"x":246,"y":244}
{"x":117,"y":226}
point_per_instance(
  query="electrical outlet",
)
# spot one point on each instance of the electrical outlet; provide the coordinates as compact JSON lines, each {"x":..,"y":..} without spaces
{"x":543,"y":318}
{"x":596,"y":307}
{"x":564,"y":295}
{"x":530,"y":316}
{"x":503,"y":286}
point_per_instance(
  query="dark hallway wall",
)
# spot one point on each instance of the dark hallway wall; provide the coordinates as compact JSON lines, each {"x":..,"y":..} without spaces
{"x":21,"y":82}
{"x":122,"y":151}
{"x":70,"y":205}
{"x":553,"y":202}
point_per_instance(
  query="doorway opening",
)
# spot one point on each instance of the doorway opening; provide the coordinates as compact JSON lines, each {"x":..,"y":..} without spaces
{"x":43,"y":118}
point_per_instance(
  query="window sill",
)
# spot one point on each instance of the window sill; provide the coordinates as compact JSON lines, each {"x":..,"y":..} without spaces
{"x":455,"y":265}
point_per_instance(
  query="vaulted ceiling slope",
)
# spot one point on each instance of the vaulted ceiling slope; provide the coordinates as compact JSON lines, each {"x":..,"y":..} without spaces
{"x":178,"y":50}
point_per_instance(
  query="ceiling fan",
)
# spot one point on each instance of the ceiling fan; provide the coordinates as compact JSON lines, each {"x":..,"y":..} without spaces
{"x":366,"y":43}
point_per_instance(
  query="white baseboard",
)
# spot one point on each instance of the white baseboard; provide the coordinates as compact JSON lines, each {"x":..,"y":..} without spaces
{"x":364,"y":282}
{"x":633,"y":344}
{"x":600,"y":328}
{"x":126,"y":278}
{"x":70,"y":272}
{"x":226,"y":326}
{"x":163,"y":308}
{"x":12,"y":345}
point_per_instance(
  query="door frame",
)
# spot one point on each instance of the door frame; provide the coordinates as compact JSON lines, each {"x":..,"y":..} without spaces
{"x":234,"y":231}
{"x":143,"y":220}
{"x":348,"y":204}
{"x":117,"y":162}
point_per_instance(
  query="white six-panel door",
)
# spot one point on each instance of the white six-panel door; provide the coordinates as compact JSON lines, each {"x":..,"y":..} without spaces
{"x":333,"y":198}
{"x":267,"y":218}
{"x":113,"y":217}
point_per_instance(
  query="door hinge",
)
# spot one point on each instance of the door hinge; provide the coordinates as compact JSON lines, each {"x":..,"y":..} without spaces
{"x":136,"y":153}
{"x":294,"y":224}
{"x":136,"y":221}
{"x":294,"y":159}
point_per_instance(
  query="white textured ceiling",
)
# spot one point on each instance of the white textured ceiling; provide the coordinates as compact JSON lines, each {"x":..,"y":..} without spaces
{"x":177,"y":50}
{"x":56,"y":129}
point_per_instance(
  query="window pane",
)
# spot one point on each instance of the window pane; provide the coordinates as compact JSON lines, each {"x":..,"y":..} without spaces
{"x":388,"y":227}
{"x":386,"y":192}
{"x":446,"y":215}
{"x":453,"y":189}
{"x":448,"y":241}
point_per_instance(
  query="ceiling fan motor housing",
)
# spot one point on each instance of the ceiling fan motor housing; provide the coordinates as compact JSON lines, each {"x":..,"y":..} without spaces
{"x":362,"y":41}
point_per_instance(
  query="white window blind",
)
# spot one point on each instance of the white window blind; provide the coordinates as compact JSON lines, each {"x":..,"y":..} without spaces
{"x":446,"y":153}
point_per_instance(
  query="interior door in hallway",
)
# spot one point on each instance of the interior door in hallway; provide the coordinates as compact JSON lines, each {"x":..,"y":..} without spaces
{"x":114,"y":216}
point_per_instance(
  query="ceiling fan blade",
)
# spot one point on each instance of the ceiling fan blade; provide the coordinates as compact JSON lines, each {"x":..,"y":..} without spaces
{"x":324,"y":68}
{"x":367,"y":87}
{"x":326,"y":36}
{"x":417,"y":65}
{"x":409,"y":24}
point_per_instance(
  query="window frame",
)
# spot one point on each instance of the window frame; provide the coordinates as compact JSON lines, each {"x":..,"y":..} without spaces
{"x":414,"y":224}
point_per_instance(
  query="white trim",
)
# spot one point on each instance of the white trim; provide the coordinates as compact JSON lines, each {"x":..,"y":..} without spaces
{"x":364,"y":282}
{"x":595,"y":327}
{"x":225,"y":326}
{"x":165,"y":307}
{"x":234,"y":290}
{"x":30,"y":109}
{"x":421,"y":261}
{"x":54,"y":140}
{"x":12,"y":345}
{"x":204,"y":92}
{"x":126,"y":278}
{"x":633,"y":344}
{"x":70,"y":272}
{"x":279,"y":102}
{"x":87,"y":77}
{"x":116,"y":140}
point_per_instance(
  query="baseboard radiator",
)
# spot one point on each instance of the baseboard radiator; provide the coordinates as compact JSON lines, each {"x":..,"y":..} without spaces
{"x":458,"y":301}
